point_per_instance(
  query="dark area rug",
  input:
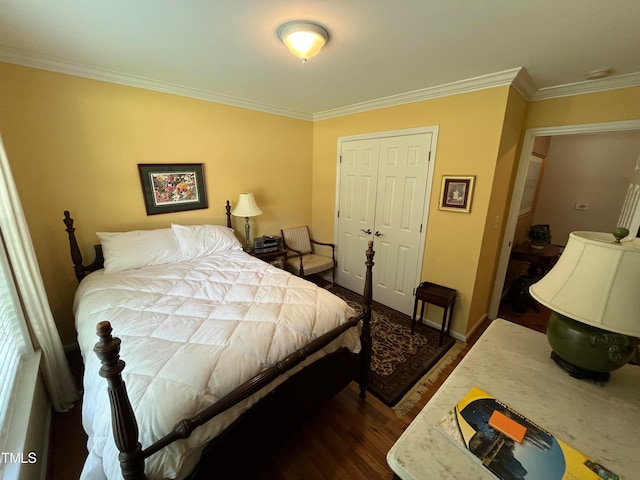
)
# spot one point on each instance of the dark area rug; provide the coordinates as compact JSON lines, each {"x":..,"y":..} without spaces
{"x":399,"y":359}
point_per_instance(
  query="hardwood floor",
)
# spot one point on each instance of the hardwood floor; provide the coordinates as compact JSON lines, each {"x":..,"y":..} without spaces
{"x":347,"y":439}
{"x":67,"y":440}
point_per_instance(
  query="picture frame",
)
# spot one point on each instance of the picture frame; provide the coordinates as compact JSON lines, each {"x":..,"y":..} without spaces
{"x":172,"y":187}
{"x":457,"y":193}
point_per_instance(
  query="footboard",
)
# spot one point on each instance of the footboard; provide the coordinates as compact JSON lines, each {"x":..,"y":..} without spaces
{"x":124,"y":423}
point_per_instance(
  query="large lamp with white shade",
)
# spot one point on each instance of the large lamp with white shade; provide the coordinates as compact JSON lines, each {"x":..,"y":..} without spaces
{"x":594,"y":294}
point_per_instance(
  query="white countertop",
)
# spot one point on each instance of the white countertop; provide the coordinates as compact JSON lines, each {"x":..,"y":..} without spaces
{"x":513,"y":364}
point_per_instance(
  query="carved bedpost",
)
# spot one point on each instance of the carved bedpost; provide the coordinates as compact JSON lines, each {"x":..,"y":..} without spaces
{"x":123,"y":421}
{"x":365,"y":336}
{"x":76,"y":256}
{"x":228,"y":214}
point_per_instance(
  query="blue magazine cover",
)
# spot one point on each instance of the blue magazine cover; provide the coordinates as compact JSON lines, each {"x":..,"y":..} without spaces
{"x":539,"y":456}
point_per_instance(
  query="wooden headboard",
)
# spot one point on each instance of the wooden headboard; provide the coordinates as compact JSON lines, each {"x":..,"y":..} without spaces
{"x":98,"y":263}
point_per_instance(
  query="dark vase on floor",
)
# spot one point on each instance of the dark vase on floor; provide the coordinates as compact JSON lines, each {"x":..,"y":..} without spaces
{"x":519,"y":296}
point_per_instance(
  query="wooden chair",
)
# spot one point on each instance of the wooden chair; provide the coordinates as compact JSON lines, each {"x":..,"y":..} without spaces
{"x":303,"y":259}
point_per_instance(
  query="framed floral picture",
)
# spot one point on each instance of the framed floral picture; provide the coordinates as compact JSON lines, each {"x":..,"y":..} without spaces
{"x":172,"y":187}
{"x":457,"y":193}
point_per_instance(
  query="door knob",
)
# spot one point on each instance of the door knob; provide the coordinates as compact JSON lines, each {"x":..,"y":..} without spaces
{"x":367,"y":231}
{"x":378,"y":234}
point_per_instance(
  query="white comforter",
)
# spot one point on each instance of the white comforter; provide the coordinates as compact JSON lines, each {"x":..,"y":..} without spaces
{"x":191,"y":332}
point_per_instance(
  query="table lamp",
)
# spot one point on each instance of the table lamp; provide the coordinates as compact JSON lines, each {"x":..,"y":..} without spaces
{"x":246,"y":207}
{"x":593,"y":292}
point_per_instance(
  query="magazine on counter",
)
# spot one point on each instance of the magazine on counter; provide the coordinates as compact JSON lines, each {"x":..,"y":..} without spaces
{"x":512,"y":447}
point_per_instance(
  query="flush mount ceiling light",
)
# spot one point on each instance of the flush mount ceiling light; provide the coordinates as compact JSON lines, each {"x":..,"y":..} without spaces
{"x":304,"y":39}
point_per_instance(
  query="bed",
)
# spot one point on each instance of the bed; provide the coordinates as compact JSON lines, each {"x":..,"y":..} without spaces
{"x":225,"y":354}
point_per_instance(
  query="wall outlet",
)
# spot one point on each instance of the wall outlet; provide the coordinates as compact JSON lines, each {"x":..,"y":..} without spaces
{"x":581,"y":206}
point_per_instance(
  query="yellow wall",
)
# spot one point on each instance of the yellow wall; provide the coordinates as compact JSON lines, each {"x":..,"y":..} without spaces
{"x":470,"y":131}
{"x":611,"y":106}
{"x":74,"y":144}
{"x":502,"y":187}
{"x":480,"y":134}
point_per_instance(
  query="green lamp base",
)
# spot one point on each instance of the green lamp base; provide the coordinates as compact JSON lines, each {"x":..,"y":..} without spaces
{"x":585,"y":351}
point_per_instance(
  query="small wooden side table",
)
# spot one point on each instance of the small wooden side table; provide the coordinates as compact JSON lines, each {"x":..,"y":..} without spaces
{"x":277,"y":258}
{"x":440,"y":296}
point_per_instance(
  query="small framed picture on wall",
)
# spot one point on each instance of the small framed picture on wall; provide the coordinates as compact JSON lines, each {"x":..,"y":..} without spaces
{"x":172,"y":187}
{"x":457,"y":193}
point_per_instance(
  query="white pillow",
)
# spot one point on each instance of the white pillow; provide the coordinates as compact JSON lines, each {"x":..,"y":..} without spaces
{"x":201,"y":240}
{"x":139,"y":248}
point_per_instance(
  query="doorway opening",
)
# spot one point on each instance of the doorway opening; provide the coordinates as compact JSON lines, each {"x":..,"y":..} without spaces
{"x":520,"y":187}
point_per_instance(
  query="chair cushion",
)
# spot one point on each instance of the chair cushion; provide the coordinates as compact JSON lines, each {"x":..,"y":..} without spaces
{"x":311,"y":263}
{"x":297,"y":238}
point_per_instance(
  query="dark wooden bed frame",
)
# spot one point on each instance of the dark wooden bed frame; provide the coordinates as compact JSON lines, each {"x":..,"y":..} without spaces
{"x":268,"y":422}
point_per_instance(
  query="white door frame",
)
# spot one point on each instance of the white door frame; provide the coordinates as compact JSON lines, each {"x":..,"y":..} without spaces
{"x":518,"y":189}
{"x":431,"y":167}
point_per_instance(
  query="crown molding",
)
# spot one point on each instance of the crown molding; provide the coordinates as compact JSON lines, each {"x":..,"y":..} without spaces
{"x":492,"y":80}
{"x":519,"y":78}
{"x":61,"y":66}
{"x":588,"y":86}
{"x":524,"y":84}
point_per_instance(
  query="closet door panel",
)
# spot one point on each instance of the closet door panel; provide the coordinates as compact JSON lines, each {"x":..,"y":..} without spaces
{"x":356,"y":210}
{"x":382,"y":197}
{"x":402,"y":183}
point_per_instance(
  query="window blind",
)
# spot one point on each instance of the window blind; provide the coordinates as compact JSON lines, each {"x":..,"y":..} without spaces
{"x":12,"y":341}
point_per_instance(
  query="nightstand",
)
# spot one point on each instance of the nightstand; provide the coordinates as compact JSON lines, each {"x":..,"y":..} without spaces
{"x":277,"y":258}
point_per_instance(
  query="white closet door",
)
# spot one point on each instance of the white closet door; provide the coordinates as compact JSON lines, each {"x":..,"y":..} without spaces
{"x":382,"y":197}
{"x":400,"y":203}
{"x":358,"y":177}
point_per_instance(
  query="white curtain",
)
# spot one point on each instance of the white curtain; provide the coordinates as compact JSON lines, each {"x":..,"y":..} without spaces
{"x":55,"y":368}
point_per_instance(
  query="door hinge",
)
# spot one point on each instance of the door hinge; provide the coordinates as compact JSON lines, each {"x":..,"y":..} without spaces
{"x":340,"y":158}
{"x":338,"y":213}
{"x":420,"y":228}
{"x":429,"y":159}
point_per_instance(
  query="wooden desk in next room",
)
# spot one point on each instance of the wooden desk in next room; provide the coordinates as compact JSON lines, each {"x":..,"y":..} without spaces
{"x":512,"y":363}
{"x":538,"y":258}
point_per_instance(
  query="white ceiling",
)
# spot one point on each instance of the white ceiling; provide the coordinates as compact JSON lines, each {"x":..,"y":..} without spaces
{"x":229,"y":51}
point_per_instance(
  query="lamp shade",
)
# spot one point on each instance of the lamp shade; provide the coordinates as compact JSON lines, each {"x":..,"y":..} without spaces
{"x":304,"y":39}
{"x":246,"y":206}
{"x":596,"y":281}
